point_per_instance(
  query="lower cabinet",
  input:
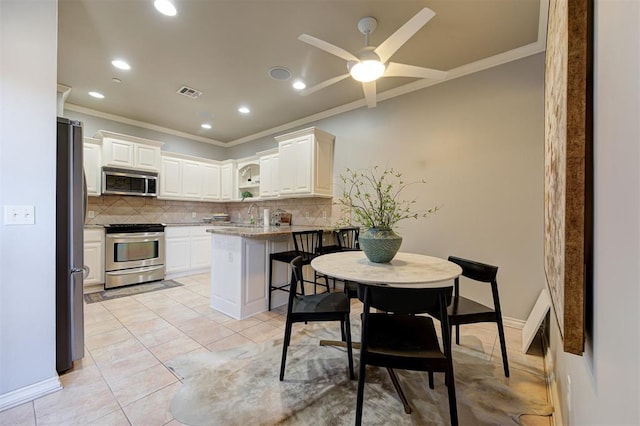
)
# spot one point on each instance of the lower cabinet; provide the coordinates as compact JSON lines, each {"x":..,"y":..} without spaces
{"x":187,"y":250}
{"x":94,"y":256}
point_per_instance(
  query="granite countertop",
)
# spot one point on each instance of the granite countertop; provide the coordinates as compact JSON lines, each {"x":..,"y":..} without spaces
{"x":260,"y":231}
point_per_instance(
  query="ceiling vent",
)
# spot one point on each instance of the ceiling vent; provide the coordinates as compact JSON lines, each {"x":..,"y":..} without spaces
{"x":189,"y":92}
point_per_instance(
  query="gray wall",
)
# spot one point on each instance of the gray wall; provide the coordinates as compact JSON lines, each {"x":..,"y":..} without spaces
{"x":479,"y":143}
{"x":28,"y":177}
{"x":605,"y":382}
{"x":172,"y":143}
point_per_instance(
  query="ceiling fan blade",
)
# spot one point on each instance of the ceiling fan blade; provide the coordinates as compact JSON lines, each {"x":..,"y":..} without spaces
{"x":395,"y":69}
{"x":370,"y":93}
{"x":404,"y":33}
{"x":324,"y":84}
{"x":327,"y":47}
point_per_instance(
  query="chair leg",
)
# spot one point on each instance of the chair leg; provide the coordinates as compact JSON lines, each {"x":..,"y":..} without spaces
{"x":457,"y":334}
{"x":285,"y":346}
{"x":503,"y":347}
{"x":431,"y":385}
{"x":270,"y":282}
{"x":347,"y":332}
{"x":360,"y":398}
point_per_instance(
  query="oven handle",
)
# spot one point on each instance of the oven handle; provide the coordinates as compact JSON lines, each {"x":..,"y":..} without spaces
{"x":135,"y":270}
{"x":135,"y":236}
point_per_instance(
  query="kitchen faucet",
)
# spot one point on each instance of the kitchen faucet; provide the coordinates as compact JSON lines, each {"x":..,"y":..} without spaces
{"x":251,"y":218}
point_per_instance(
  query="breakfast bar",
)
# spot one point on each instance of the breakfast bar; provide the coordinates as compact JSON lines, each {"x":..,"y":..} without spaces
{"x":240,"y":265}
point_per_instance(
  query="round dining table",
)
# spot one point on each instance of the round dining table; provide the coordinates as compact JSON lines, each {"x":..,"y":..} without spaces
{"x":409,"y":270}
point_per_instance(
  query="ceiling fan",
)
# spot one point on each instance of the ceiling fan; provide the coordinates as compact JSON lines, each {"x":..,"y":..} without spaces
{"x":370,"y":63}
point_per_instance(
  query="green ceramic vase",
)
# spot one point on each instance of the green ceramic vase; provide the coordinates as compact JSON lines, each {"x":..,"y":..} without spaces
{"x":379,"y":245}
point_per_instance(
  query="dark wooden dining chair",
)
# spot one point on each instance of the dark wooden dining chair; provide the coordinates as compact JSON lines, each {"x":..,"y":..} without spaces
{"x":466,"y":311}
{"x":344,"y":239}
{"x":315,"y":307}
{"x":306,"y":244}
{"x":400,"y":339}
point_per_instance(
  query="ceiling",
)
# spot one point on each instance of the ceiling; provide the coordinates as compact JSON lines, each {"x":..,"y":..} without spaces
{"x":225,"y":48}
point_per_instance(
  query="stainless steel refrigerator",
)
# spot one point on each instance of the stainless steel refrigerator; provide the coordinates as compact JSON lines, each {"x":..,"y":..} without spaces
{"x":70,"y":214}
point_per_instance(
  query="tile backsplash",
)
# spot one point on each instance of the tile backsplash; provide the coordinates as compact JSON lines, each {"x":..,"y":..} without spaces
{"x":108,"y":209}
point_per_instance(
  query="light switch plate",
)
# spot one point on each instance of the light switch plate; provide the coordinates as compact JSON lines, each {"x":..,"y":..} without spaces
{"x":19,"y":215}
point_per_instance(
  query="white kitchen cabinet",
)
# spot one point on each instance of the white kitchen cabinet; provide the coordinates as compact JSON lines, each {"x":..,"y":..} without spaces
{"x":192,"y":179}
{"x":187,"y":250}
{"x":170,"y":178}
{"x":183,"y":177}
{"x":130,"y":152}
{"x":92,"y":162}
{"x":227,"y":180}
{"x":306,"y":163}
{"x":210,"y":182}
{"x":94,"y":257}
{"x":269,"y":175}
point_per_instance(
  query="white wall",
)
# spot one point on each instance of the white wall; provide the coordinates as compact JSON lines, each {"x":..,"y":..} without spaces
{"x":479,"y":143}
{"x":605,"y":383}
{"x":27,"y":177}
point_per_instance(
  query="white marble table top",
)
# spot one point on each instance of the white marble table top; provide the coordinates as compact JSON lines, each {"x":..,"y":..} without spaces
{"x":405,"y":270}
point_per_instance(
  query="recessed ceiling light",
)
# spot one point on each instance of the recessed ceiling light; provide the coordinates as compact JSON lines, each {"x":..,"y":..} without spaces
{"x":165,"y":7}
{"x":205,"y":126}
{"x":120,"y":64}
{"x":244,"y":110}
{"x":299,"y":85}
{"x":97,"y":95}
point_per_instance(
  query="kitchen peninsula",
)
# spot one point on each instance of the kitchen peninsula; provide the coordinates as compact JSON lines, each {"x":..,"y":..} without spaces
{"x":240,"y":267}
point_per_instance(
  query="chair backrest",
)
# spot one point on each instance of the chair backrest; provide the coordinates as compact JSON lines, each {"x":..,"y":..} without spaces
{"x":348,"y":238}
{"x":307,"y":243}
{"x":405,"y":300}
{"x":296,"y":279}
{"x":475,"y":270}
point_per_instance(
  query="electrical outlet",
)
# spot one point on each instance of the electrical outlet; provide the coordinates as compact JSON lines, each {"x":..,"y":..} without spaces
{"x":91,"y":214}
{"x":19,"y":215}
{"x":306,"y":215}
{"x":324,"y":215}
{"x":193,"y":215}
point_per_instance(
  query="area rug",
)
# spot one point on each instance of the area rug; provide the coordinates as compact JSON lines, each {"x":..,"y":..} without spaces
{"x":131,"y":290}
{"x":241,"y":387}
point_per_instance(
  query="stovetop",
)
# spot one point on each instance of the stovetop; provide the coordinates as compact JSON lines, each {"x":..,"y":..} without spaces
{"x":129,"y":228}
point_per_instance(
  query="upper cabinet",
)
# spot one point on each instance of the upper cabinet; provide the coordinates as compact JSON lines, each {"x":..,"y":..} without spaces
{"x":183,"y":177}
{"x":306,"y":163}
{"x":269,"y":174}
{"x":227,"y":180}
{"x":92,"y":161}
{"x":130,"y":152}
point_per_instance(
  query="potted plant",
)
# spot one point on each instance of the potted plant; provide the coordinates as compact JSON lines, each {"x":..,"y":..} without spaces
{"x":370,"y":198}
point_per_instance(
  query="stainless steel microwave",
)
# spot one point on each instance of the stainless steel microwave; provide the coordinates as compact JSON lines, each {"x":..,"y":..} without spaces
{"x":129,"y":182}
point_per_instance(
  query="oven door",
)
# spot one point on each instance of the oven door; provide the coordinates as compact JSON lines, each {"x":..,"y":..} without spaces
{"x":134,"y":250}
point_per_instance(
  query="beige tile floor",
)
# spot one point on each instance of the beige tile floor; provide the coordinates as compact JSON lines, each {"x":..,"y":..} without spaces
{"x":122,"y":379}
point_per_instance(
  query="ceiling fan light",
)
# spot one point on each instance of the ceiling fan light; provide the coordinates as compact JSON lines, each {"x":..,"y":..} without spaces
{"x":367,"y":71}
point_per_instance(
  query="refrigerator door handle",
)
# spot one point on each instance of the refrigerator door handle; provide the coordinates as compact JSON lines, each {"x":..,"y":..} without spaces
{"x":86,"y":271}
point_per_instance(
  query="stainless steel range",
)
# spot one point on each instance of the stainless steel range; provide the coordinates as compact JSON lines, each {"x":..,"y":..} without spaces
{"x":134,"y":253}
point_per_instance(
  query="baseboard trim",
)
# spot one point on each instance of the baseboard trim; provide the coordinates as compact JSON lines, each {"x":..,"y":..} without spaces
{"x":513,"y":323}
{"x":29,"y":393}
{"x":552,"y":385}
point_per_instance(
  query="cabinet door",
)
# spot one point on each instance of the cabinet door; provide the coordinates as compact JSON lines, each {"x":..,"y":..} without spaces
{"x":92,"y":155}
{"x":177,"y":254}
{"x":171,"y":178}
{"x":200,"y":251}
{"x":266,"y":187}
{"x":210,"y":182}
{"x":226,"y":178}
{"x":146,"y":157}
{"x":275,"y":175}
{"x":302,"y":175}
{"x":191,"y":179}
{"x":93,"y":259}
{"x":287,"y":169}
{"x":118,"y":153}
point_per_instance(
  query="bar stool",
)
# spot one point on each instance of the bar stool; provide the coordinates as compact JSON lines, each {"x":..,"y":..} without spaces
{"x":307,"y":245}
